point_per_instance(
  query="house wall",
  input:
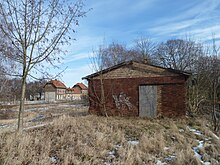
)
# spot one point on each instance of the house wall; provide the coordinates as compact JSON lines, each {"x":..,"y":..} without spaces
{"x":73,"y":96}
{"x":60,"y":94}
{"x":85,"y":92}
{"x":50,"y":93}
{"x":171,"y":93}
{"x":53,"y":94}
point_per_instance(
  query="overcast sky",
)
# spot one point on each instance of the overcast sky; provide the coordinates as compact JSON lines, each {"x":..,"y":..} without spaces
{"x":124,"y":21}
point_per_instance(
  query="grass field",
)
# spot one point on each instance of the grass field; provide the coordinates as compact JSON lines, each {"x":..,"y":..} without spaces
{"x":69,"y":136}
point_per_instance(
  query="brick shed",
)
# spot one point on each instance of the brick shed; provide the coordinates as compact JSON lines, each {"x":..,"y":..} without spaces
{"x":138,"y":89}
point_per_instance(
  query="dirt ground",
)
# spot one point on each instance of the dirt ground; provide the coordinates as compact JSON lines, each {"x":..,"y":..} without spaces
{"x":39,"y":114}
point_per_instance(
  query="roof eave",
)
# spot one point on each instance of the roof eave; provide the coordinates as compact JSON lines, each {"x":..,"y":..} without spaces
{"x":187,"y":74}
{"x":107,"y":69}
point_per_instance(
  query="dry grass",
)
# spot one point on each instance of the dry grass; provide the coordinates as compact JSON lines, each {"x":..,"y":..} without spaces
{"x":39,"y":114}
{"x":115,"y":140}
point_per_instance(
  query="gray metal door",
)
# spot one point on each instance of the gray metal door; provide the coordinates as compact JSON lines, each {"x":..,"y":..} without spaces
{"x":148,"y":101}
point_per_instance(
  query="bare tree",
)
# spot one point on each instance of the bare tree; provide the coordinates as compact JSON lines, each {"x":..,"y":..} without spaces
{"x":37,"y":30}
{"x":3,"y":85}
{"x":3,"y":78}
{"x":145,"y":48}
{"x":35,"y":89}
{"x":178,"y":54}
{"x":197,"y":86}
{"x":214,"y":79}
{"x":113,"y":54}
{"x":116,"y":53}
{"x":204,"y":88}
{"x":6,"y":66}
{"x":98,"y":65}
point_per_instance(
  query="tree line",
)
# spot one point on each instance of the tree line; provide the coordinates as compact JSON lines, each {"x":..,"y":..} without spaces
{"x":11,"y":89}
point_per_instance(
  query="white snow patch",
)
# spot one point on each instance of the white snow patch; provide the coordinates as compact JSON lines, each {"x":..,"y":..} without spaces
{"x":117,"y":146}
{"x":160,"y":163}
{"x":170,"y":158}
{"x":111,"y":154}
{"x":207,"y":139}
{"x":107,"y":163}
{"x":36,"y":126}
{"x":166,"y":148}
{"x":133,"y":142}
{"x":201,"y":143}
{"x":196,"y":149}
{"x":3,"y":125}
{"x":196,"y":152}
{"x":8,"y":126}
{"x":54,"y":159}
{"x":181,"y":130}
{"x":198,"y":133}
{"x":195,"y":131}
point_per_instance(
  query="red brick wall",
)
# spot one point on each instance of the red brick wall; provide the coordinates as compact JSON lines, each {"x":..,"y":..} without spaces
{"x":171,"y":100}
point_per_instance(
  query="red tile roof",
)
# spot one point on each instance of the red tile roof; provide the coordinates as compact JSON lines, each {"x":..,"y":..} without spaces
{"x":81,"y":85}
{"x":70,"y":89}
{"x":77,"y":91}
{"x":57,"y":83}
{"x":74,"y":90}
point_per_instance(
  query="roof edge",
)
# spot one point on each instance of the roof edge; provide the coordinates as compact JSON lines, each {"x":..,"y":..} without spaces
{"x":107,"y":69}
{"x":187,"y":74}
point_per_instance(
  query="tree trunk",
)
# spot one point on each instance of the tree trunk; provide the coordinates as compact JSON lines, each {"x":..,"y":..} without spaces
{"x":21,"y":108}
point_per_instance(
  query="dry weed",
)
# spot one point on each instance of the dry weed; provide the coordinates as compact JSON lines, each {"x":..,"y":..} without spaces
{"x":99,"y":140}
{"x":186,"y":157}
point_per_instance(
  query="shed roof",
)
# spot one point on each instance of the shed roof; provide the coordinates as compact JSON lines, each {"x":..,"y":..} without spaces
{"x":139,"y":66}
